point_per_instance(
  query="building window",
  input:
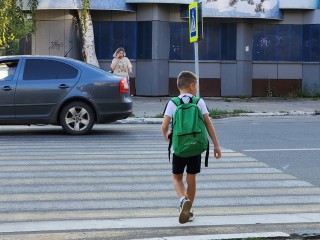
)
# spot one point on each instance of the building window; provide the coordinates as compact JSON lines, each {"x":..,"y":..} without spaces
{"x":277,"y":42}
{"x":144,"y":43}
{"x":134,"y":37}
{"x":210,"y":46}
{"x":180,"y":46}
{"x":289,"y":48}
{"x":228,"y":41}
{"x":219,"y":42}
{"x":102,"y":39}
{"x":311,"y":43}
{"x":124,"y":35}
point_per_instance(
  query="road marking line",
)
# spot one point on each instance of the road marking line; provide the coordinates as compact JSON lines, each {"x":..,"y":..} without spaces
{"x":126,"y":166}
{"x":281,"y":149}
{"x":150,"y":195}
{"x":168,"y":222}
{"x":155,"y":212}
{"x":148,"y":179}
{"x":224,"y":236}
{"x":104,"y":154}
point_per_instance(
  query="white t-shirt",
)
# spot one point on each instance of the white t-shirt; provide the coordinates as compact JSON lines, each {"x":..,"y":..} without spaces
{"x":171,"y":107}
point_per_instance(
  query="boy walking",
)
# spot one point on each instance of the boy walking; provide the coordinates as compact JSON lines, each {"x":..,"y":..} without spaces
{"x":187,"y":85}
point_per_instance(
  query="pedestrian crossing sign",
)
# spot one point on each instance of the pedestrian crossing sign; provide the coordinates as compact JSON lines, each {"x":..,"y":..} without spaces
{"x":193,"y":22}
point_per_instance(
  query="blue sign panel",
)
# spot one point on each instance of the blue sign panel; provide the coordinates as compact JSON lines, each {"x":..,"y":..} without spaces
{"x":193,"y":21}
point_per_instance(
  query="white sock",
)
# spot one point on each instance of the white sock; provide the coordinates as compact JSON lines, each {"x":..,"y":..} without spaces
{"x":181,"y":199}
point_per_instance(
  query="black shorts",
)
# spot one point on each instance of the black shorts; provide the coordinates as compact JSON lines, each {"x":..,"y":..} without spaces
{"x":193,"y":164}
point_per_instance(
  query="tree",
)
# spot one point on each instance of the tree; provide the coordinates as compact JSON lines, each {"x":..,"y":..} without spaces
{"x":15,"y":23}
{"x":88,"y":47}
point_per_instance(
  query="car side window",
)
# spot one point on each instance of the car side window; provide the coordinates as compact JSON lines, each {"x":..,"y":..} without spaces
{"x":7,"y":69}
{"x":42,"y":69}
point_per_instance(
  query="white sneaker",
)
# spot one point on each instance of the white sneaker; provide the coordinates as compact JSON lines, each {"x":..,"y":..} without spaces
{"x":185,"y":207}
{"x":191,"y":216}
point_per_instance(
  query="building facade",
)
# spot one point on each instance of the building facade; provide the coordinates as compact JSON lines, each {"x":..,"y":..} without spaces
{"x":249,"y":47}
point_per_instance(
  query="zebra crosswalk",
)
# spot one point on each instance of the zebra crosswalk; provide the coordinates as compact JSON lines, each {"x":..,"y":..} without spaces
{"x":121,"y":171}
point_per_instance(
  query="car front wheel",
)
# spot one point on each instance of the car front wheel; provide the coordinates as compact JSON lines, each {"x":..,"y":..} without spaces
{"x":77,"y":118}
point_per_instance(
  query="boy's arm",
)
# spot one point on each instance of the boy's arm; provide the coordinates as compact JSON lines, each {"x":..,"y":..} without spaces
{"x":165,"y":127}
{"x":212,"y":134}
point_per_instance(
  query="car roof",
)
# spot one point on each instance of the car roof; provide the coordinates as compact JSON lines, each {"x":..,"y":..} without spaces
{"x":49,"y":57}
{"x":71,"y":61}
{"x":38,"y":56}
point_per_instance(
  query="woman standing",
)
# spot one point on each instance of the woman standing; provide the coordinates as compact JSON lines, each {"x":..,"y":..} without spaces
{"x":121,"y":65}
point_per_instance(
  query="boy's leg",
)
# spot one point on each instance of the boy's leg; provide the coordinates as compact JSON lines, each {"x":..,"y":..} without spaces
{"x":193,"y":168}
{"x":178,"y":166}
{"x":185,"y":204}
{"x":191,"y":190}
{"x":178,"y":185}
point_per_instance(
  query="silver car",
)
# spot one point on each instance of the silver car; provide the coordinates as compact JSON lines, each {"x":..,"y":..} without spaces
{"x":60,"y":91}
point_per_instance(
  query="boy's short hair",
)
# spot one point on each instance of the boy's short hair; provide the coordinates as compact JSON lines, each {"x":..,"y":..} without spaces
{"x":185,"y":78}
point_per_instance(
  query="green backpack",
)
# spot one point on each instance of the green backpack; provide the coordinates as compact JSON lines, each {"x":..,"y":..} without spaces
{"x":189,"y":134}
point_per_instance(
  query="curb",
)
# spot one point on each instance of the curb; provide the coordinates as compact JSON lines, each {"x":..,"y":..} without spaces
{"x":143,"y":120}
{"x":240,"y":236}
{"x":290,"y":113}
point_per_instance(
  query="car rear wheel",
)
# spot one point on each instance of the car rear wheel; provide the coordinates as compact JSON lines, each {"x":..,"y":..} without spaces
{"x":77,"y":118}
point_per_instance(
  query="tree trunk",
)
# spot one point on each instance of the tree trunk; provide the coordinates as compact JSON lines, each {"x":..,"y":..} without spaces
{"x":88,"y":47}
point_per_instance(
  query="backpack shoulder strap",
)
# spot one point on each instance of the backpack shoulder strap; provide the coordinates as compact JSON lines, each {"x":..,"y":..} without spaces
{"x":165,"y":108}
{"x":207,"y":155}
{"x":195,"y":100}
{"x":176,"y":101}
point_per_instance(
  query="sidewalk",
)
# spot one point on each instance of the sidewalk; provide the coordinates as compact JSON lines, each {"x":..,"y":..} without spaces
{"x":150,"y":109}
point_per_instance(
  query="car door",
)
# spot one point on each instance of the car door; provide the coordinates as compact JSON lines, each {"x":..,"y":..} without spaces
{"x":42,"y":86}
{"x":8,"y":80}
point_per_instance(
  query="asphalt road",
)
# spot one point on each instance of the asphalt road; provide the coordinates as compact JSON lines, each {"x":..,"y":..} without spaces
{"x":290,"y":144}
{"x":116,"y":183}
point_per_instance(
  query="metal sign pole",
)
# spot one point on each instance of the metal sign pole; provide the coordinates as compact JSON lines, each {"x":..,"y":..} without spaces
{"x":194,"y":35}
{"x":196,"y":62}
